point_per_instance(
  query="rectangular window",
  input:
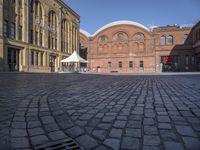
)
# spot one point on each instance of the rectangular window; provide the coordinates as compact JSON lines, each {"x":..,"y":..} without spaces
{"x":36,"y":38}
{"x":41,"y":59}
{"x":120,"y":64}
{"x":31,"y":37}
{"x":20,"y":33}
{"x":49,"y":42}
{"x":41,"y":39}
{"x":193,"y":60}
{"x":32,"y":57}
{"x":186,"y":60}
{"x":52,"y":45}
{"x":130,"y":64}
{"x":56,"y":44}
{"x":36,"y":58}
{"x":5,"y":29}
{"x":141,"y":64}
{"x":109,"y":64}
{"x":12,"y":31}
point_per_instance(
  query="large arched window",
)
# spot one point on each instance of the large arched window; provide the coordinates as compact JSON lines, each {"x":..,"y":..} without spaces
{"x":52,"y":28}
{"x":39,"y":23}
{"x":170,"y":40}
{"x":64,"y":40}
{"x":163,"y":40}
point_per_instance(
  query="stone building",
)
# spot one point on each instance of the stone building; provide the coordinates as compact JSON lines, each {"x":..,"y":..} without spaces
{"x":36,"y":34}
{"x":126,"y":46}
{"x":195,"y":36}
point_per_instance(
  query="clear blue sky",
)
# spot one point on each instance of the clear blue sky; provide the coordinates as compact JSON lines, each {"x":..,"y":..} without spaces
{"x":97,"y":13}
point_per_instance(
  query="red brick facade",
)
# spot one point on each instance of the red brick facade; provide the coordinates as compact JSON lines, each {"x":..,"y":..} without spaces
{"x":126,"y":46}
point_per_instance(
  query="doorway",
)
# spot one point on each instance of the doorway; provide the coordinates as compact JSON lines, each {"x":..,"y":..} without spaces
{"x":13,"y":59}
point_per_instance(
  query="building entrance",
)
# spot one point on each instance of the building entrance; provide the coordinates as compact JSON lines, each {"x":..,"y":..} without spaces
{"x":13,"y":59}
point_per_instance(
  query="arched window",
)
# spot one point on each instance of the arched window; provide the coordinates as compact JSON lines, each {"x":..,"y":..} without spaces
{"x":52,"y":28}
{"x":163,"y":40}
{"x":185,"y":38}
{"x":170,"y":40}
{"x":64,"y":33}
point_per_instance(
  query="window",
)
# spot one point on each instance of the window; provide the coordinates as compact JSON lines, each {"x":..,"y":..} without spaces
{"x":170,"y":40}
{"x":41,"y":59}
{"x":32,"y":57}
{"x":5,"y":29}
{"x":120,"y":64}
{"x":36,"y":37}
{"x":49,"y":42}
{"x":20,"y":33}
{"x":12,"y":34}
{"x":141,"y":64}
{"x":109,"y":64}
{"x":41,"y":39}
{"x":56,"y":44}
{"x":130,"y":64}
{"x":186,"y":60}
{"x":185,"y":38}
{"x":163,"y":40}
{"x":193,"y":60}
{"x":36,"y":58}
{"x":31,"y":37}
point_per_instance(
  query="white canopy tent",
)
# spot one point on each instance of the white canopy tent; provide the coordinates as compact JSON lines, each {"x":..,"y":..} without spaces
{"x":74,"y":58}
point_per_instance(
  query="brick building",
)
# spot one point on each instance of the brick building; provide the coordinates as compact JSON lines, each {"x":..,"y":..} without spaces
{"x":126,"y":46}
{"x":36,"y":34}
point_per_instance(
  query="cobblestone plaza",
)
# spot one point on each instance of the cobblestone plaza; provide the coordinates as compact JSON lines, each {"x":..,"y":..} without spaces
{"x":100,"y":112}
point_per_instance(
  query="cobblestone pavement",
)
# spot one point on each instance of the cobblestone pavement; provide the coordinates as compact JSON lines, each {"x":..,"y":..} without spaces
{"x":100,"y":112}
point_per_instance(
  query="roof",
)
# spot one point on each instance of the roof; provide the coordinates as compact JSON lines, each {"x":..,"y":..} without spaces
{"x":121,"y":22}
{"x":74,"y":58}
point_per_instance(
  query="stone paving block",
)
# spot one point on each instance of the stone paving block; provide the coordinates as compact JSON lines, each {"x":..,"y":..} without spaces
{"x":186,"y":130}
{"x":192,"y":143}
{"x":151,"y":130}
{"x":173,"y":146}
{"x":133,"y":132}
{"x":75,"y":131}
{"x":57,"y":135}
{"x":112,"y":143}
{"x":87,"y":142}
{"x":19,"y":143}
{"x":104,"y":125}
{"x":37,"y":140}
{"x":151,"y":140}
{"x":100,"y":134}
{"x":164,"y":126}
{"x":47,"y":119}
{"x":119,"y":124}
{"x":108,"y":118}
{"x":36,"y":131}
{"x":116,"y":133}
{"x":163,"y":119}
{"x":18,"y":133}
{"x":130,"y":143}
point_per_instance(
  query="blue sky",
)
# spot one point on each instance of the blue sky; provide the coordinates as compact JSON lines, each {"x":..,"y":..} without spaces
{"x":97,"y":13}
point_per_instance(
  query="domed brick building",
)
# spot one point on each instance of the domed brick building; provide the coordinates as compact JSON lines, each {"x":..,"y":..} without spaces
{"x":130,"y":47}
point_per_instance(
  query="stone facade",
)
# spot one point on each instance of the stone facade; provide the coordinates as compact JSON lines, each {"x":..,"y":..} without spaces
{"x":195,"y":36}
{"x":127,"y":46}
{"x":35,"y":35}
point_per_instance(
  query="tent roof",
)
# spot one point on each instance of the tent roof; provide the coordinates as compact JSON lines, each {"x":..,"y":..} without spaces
{"x":74,"y":58}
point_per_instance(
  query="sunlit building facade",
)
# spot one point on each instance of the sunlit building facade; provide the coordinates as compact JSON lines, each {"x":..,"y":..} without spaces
{"x":130,"y":47}
{"x":35,"y":35}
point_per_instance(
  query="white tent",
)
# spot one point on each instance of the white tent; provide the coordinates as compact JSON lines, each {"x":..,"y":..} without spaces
{"x":74,"y":58}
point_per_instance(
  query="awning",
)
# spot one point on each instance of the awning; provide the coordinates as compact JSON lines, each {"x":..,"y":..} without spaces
{"x":74,"y":58}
